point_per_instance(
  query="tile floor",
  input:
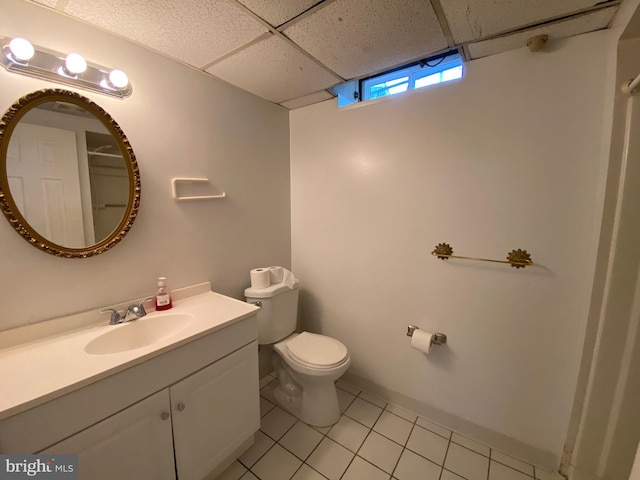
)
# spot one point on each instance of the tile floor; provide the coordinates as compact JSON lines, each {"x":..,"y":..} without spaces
{"x":373,"y":440}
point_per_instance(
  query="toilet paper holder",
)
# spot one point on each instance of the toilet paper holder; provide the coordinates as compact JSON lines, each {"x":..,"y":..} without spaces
{"x":438,"y":338}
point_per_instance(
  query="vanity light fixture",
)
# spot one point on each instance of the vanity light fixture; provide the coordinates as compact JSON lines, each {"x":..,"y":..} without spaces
{"x":20,"y":56}
{"x":75,"y":64}
{"x":21,"y":49}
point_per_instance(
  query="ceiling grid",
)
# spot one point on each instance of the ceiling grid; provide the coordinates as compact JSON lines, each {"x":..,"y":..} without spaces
{"x":291,"y":51}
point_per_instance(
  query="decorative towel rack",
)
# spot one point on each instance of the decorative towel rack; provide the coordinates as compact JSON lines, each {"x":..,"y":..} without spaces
{"x":174,"y":189}
{"x":516,"y":258}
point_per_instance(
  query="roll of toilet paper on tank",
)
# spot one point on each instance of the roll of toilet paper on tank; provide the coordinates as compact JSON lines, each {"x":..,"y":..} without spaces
{"x":260,"y":278}
{"x":421,"y":340}
{"x":276,"y":274}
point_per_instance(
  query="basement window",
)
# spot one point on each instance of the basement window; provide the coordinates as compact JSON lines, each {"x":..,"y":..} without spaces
{"x":425,"y":73}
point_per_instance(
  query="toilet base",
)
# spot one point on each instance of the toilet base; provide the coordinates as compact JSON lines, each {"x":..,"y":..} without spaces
{"x":317,"y":405}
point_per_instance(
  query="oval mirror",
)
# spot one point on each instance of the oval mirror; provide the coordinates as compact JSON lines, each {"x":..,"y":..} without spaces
{"x":69,"y":180}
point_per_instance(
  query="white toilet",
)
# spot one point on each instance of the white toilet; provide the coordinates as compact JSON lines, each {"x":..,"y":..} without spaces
{"x":307,"y":364}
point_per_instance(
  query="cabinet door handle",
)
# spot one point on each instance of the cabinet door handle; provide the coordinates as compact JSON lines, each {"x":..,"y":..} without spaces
{"x":165,"y":415}
{"x":181,"y":407}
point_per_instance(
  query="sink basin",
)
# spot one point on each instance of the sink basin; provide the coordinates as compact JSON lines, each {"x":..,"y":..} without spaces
{"x":139,"y":333}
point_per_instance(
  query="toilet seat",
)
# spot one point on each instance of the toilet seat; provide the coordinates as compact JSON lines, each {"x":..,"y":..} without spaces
{"x":317,"y":351}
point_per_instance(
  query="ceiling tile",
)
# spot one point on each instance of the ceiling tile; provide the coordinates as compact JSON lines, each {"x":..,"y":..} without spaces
{"x":277,"y":12}
{"x":475,"y":19}
{"x":275,"y":70}
{"x":48,"y":3}
{"x":307,"y":100}
{"x":194,"y":31}
{"x":575,"y":26}
{"x":359,"y":37}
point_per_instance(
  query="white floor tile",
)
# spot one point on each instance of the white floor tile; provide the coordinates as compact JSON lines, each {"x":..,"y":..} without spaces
{"x":265,"y":381}
{"x":470,"y":444}
{"x":512,"y":462}
{"x":276,"y":423}
{"x":428,"y":444}
{"x":542,"y":474}
{"x":249,"y":476}
{"x":300,"y":440}
{"x":364,"y":412}
{"x":344,"y":399}
{"x":362,"y":470}
{"x":277,"y":464}
{"x":330,"y":459}
{"x":447,"y":475}
{"x":307,"y":473}
{"x":497,"y":471}
{"x":265,"y":406}
{"x":466,"y":463}
{"x":414,"y":467}
{"x":435,"y":428}
{"x":381,"y":451}
{"x":401,"y":412}
{"x":393,"y":427}
{"x":234,"y":472}
{"x":348,"y":387}
{"x":267,"y":392}
{"x":322,"y":430}
{"x":261,"y":443}
{"x":373,"y":399}
{"x":348,"y":433}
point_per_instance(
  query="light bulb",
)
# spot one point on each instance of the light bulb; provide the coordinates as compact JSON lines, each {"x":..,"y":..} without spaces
{"x":21,"y":49}
{"x":75,"y":64}
{"x":118,"y":79}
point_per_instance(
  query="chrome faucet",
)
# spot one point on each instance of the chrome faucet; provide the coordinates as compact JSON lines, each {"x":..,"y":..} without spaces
{"x":132,"y":312}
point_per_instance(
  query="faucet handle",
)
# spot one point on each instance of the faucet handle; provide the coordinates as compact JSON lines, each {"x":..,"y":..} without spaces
{"x":138,"y":309}
{"x":115,"y":315}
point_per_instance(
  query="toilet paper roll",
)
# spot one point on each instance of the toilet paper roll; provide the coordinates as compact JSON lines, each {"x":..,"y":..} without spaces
{"x":276,"y":274}
{"x":260,"y":278}
{"x":421,"y":340}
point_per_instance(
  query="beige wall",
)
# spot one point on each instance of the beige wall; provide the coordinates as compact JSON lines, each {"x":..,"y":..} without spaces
{"x":513,"y":156}
{"x":180,"y":122}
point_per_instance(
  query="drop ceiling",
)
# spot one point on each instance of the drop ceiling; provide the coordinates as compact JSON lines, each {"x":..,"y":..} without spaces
{"x":291,"y":52}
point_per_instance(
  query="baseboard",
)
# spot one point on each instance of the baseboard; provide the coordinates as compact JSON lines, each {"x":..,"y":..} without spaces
{"x":508,"y":445}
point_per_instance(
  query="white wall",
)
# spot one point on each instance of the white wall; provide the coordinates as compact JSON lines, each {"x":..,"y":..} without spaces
{"x":180,"y":122}
{"x":513,"y":156}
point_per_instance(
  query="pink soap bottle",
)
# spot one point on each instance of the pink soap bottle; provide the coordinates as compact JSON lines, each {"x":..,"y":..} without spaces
{"x":163,"y":295}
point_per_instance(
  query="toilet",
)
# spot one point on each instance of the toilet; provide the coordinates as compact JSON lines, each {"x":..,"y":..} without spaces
{"x":307,"y":364}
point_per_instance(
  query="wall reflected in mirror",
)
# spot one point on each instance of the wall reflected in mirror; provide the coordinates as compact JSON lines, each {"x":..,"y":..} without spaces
{"x":67,"y":175}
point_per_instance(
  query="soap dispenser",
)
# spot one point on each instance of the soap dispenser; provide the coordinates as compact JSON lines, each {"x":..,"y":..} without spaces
{"x":163,"y":295}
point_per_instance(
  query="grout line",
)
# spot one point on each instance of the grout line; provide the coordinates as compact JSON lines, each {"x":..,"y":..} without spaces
{"x":363,"y":441}
{"x":406,"y":442}
{"x":444,"y":460}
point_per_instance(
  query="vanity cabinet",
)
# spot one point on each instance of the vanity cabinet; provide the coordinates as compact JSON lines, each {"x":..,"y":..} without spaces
{"x":185,"y":414}
{"x":133,"y":444}
{"x":206,"y":417}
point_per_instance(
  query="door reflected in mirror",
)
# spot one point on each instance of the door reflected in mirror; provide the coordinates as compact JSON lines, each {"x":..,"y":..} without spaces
{"x":69,"y":173}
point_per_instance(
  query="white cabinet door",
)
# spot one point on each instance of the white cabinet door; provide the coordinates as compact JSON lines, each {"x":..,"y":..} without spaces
{"x":214,"y":411}
{"x":134,"y":444}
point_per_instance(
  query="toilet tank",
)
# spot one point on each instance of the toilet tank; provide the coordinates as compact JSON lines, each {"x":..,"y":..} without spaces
{"x":278,"y":314}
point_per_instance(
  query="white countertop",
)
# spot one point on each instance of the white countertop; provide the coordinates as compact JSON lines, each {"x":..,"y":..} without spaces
{"x":44,"y":368}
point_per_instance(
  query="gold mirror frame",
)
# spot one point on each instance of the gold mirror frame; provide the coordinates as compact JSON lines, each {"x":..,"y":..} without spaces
{"x":7,"y":203}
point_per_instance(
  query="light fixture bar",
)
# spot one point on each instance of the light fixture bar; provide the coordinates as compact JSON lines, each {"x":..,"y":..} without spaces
{"x":50,"y":65}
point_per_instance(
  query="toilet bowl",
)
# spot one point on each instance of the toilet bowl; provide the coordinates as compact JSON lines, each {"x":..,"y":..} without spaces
{"x":308,"y":365}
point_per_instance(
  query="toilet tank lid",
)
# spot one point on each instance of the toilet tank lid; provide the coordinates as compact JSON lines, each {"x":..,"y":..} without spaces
{"x":270,"y":291}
